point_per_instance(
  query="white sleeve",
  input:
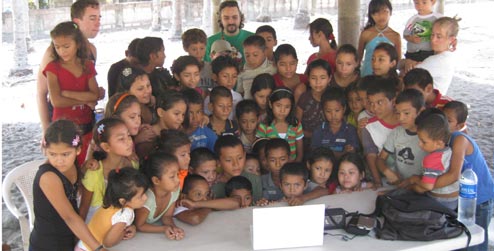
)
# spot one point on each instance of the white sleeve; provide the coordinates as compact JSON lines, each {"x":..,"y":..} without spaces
{"x":125,"y":215}
{"x":179,"y":210}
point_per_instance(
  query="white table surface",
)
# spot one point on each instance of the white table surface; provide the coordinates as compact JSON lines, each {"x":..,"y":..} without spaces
{"x":230,"y":230}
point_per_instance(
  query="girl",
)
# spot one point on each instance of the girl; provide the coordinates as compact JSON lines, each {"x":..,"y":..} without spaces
{"x":346,"y":67}
{"x":187,"y":72}
{"x":56,"y":222}
{"x":321,"y":164}
{"x":72,"y":86}
{"x":258,"y":149}
{"x":351,"y":174}
{"x":281,"y":122}
{"x":354,"y":104}
{"x":112,"y":223}
{"x":161,"y":170}
{"x":247,"y":113}
{"x":384,"y":61}
{"x":309,"y":110}
{"x":375,"y":32}
{"x":262,"y":86}
{"x":285,"y":58}
{"x":112,"y":137}
{"x":177,"y":143}
{"x":321,"y":34}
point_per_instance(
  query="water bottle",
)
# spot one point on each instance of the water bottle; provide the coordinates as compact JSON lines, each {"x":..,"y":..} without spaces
{"x":467,"y":201}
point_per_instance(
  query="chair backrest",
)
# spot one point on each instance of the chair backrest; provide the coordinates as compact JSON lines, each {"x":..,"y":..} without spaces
{"x":23,"y":177}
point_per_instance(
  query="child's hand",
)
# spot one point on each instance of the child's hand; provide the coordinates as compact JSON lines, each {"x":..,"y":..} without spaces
{"x":174,"y":233}
{"x":408,"y":182}
{"x":187,"y":203}
{"x":101,"y":94}
{"x":295,"y":201}
{"x":146,"y":134}
{"x":262,"y":202}
{"x":204,"y":121}
{"x":130,"y":232}
{"x":415,"y":39}
{"x":91,"y":164}
{"x":349,"y":149}
{"x":92,"y":105}
{"x":363,"y":122}
{"x":409,"y":64}
{"x":392,"y":177}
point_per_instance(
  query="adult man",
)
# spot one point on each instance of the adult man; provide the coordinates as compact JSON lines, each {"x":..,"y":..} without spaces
{"x":86,"y":14}
{"x":231,"y":23}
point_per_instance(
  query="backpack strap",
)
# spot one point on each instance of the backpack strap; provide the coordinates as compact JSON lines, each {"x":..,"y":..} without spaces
{"x":465,"y":228}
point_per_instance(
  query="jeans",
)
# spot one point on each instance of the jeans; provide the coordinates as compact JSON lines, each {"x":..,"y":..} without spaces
{"x":483,"y":216}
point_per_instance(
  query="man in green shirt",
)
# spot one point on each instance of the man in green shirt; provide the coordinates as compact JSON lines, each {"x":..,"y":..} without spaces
{"x":231,"y":23}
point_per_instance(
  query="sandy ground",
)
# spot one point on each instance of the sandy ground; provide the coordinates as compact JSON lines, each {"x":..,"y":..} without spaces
{"x":473,"y":84}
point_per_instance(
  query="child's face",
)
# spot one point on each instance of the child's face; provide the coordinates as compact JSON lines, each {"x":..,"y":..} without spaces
{"x":173,"y":117}
{"x":334,"y":112}
{"x":157,"y":59}
{"x":261,"y":98}
{"x":119,"y":142}
{"x":363,"y":98}
{"x":248,"y":123}
{"x":227,"y":77}
{"x":138,"y":200}
{"x":132,"y":118}
{"x":381,"y":17}
{"x":141,"y":88}
{"x":222,"y":107}
{"x":195,"y":115}
{"x":197,"y":50}
{"x":320,"y":171}
{"x":315,"y":37}
{"x":319,"y":80}
{"x":252,"y":166}
{"x":349,"y":176}
{"x":199,"y":191}
{"x":423,"y":7}
{"x":61,"y":155}
{"x":277,"y":157}
{"x":270,"y":41}
{"x":287,"y":66}
{"x":232,"y":160}
{"x":183,"y":155}
{"x":208,"y":171}
{"x":440,"y":39}
{"x":66,"y":47}
{"x":355,"y":102}
{"x":190,"y":76}
{"x":380,"y":105}
{"x":452,"y":121}
{"x":169,"y":180}
{"x":254,"y":56}
{"x":243,"y":195}
{"x":293,"y":185}
{"x":381,"y":63}
{"x":427,"y":144}
{"x":406,"y":115}
{"x":281,"y":108}
{"x":346,"y":64}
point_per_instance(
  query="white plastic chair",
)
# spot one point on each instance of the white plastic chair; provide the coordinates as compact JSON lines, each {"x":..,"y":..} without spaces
{"x":23,"y":177}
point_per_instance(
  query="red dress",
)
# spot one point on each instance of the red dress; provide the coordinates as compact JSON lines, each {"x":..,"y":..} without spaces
{"x":330,"y":57}
{"x":279,"y":83}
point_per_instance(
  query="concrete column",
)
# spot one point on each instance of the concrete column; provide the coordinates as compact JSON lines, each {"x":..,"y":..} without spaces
{"x":302,"y":18}
{"x":440,"y":6}
{"x":348,"y":22}
{"x":215,"y":16}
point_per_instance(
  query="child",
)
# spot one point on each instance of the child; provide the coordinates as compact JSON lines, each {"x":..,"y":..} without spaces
{"x":269,"y":35}
{"x":231,"y":159}
{"x":204,"y":163}
{"x":240,"y":188}
{"x":195,"y":203}
{"x":335,"y":133}
{"x":384,"y":60}
{"x":281,"y":122}
{"x":262,"y":87}
{"x":127,"y":108}
{"x":199,"y":136}
{"x":224,"y":48}
{"x":277,"y":154}
{"x":112,"y":137}
{"x":255,"y":64}
{"x":346,"y":70}
{"x":161,"y":170}
{"x":294,"y":181}
{"x":351,"y":174}
{"x":418,"y":30}
{"x":309,"y":107}
{"x":367,"y":113}
{"x":285,"y":58}
{"x":221,"y":108}
{"x":194,"y":43}
{"x":187,"y":71}
{"x":56,"y":222}
{"x":421,"y":80}
{"x":247,"y":116}
{"x":258,"y":148}
{"x":381,"y":94}
{"x":321,"y":35}
{"x":252,"y":164}
{"x":321,"y":164}
{"x":457,"y":113}
{"x":377,"y":31}
{"x":116,"y":68}
{"x":177,"y":143}
{"x":113,"y":222}
{"x":72,"y":86}
{"x":355,"y":105}
{"x":403,"y":143}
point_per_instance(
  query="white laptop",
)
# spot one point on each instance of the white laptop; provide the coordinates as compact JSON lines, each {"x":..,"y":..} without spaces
{"x":287,"y":227}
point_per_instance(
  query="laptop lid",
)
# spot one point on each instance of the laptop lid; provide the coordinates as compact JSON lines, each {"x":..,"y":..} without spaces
{"x":287,"y":227}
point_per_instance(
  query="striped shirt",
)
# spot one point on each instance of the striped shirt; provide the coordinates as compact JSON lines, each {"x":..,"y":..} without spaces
{"x":293,"y":134}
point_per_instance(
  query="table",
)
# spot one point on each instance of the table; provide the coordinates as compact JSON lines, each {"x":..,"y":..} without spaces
{"x":230,"y":230}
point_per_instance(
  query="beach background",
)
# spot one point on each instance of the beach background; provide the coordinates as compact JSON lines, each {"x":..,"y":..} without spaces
{"x":473,"y":82}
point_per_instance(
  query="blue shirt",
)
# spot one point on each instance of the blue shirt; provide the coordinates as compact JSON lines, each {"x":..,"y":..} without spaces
{"x":203,"y":137}
{"x":270,"y":191}
{"x":324,"y":137}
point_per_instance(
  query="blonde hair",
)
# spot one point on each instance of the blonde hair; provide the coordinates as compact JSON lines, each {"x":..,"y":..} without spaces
{"x":451,"y":23}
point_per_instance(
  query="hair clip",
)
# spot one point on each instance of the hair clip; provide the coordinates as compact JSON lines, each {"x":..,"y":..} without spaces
{"x":75,"y":25}
{"x":76,"y":140}
{"x":127,"y":71}
{"x":117,"y":170}
{"x":331,"y":36}
{"x":101,"y":129}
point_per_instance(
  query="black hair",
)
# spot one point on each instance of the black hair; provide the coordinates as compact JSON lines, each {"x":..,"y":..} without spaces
{"x":182,"y":62}
{"x":376,"y":6}
{"x":323,"y":25}
{"x":413,"y":96}
{"x":266,"y":28}
{"x":259,"y":145}
{"x":294,"y":168}
{"x":461,"y":110}
{"x":146,"y":46}
{"x":334,"y":94}
{"x":237,"y":183}
{"x":261,"y":82}
{"x":284,"y":50}
{"x":226,"y":141}
{"x":323,"y":153}
{"x":168,"y":99}
{"x":155,"y":164}
{"x":355,"y":159}
{"x":377,"y":84}
{"x":222,"y":62}
{"x":189,"y":182}
{"x":132,"y":48}
{"x":113,"y":109}
{"x":393,"y":56}
{"x":62,"y":131}
{"x":219,"y":91}
{"x":78,"y":8}
{"x":230,"y":3}
{"x":246,"y":106}
{"x":123,"y":184}
{"x":276,"y":95}
{"x":348,"y":49}
{"x":433,"y":122}
{"x":71,"y":29}
{"x":319,"y":63}
{"x":418,"y":76}
{"x":199,"y":156}
{"x":276,"y":143}
{"x":193,"y":36}
{"x":191,"y":97}
{"x":172,"y":139}
{"x":249,"y":156}
{"x":255,"y":40}
{"x":128,"y":76}
{"x":102,"y":132}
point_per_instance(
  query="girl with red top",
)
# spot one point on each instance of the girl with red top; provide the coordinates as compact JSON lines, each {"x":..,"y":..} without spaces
{"x":285,"y":58}
{"x":321,"y":35}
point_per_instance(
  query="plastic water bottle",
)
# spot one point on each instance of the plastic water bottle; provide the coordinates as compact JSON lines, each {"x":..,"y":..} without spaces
{"x":467,"y":201}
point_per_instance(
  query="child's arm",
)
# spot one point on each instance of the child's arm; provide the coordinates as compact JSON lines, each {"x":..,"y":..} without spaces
{"x":300,"y":149}
{"x":87,"y":96}
{"x":362,"y":41}
{"x":412,"y":38}
{"x":392,"y":177}
{"x":314,"y":194}
{"x":396,"y":39}
{"x":370,"y":151}
{"x":42,"y":89}
{"x":461,"y":147}
{"x":171,"y":230}
{"x":143,"y":226}
{"x":216,"y":204}
{"x":86,"y":198}
{"x":194,"y":216}
{"x":114,"y":235}
{"x":56,"y":97}
{"x":299,"y":90}
{"x":299,"y":112}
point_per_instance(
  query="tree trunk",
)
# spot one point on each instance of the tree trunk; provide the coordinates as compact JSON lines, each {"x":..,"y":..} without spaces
{"x":215,"y":17}
{"x":156,"y":20}
{"x":206,"y":14}
{"x":348,"y":22}
{"x":177,"y":20}
{"x":263,"y":13}
{"x":440,"y":6}
{"x":20,"y":21}
{"x":302,"y":18}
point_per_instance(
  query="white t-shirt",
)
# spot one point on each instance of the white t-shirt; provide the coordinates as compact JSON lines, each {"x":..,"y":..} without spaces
{"x":441,"y":67}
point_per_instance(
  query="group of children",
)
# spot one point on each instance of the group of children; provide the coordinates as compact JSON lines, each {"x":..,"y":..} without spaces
{"x":220,"y":137}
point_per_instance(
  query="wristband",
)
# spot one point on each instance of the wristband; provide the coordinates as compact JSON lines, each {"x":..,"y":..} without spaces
{"x":99,"y":248}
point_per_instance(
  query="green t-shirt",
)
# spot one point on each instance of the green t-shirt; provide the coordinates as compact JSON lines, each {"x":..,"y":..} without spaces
{"x":218,"y":189}
{"x":235,"y":41}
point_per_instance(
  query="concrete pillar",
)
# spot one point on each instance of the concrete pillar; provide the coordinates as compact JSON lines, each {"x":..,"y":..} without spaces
{"x":440,"y":6}
{"x":302,"y":18}
{"x":348,"y":22}
{"x":215,"y":16}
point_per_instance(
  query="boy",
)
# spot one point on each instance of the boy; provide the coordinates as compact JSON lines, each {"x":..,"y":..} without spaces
{"x":194,"y":43}
{"x":421,"y":80}
{"x":364,"y":116}
{"x":221,"y":107}
{"x":195,"y":203}
{"x":199,"y":136}
{"x":247,"y":113}
{"x":225,"y":72}
{"x":418,"y":31}
{"x":252,"y":164}
{"x":203,"y":162}
{"x":231,"y":158}
{"x":224,"y":48}
{"x":294,"y":179}
{"x":457,"y":113}
{"x":403,"y":142}
{"x":255,"y":64}
{"x":381,"y":93}
{"x":269,"y":35}
{"x":240,"y":188}
{"x":277,"y":152}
